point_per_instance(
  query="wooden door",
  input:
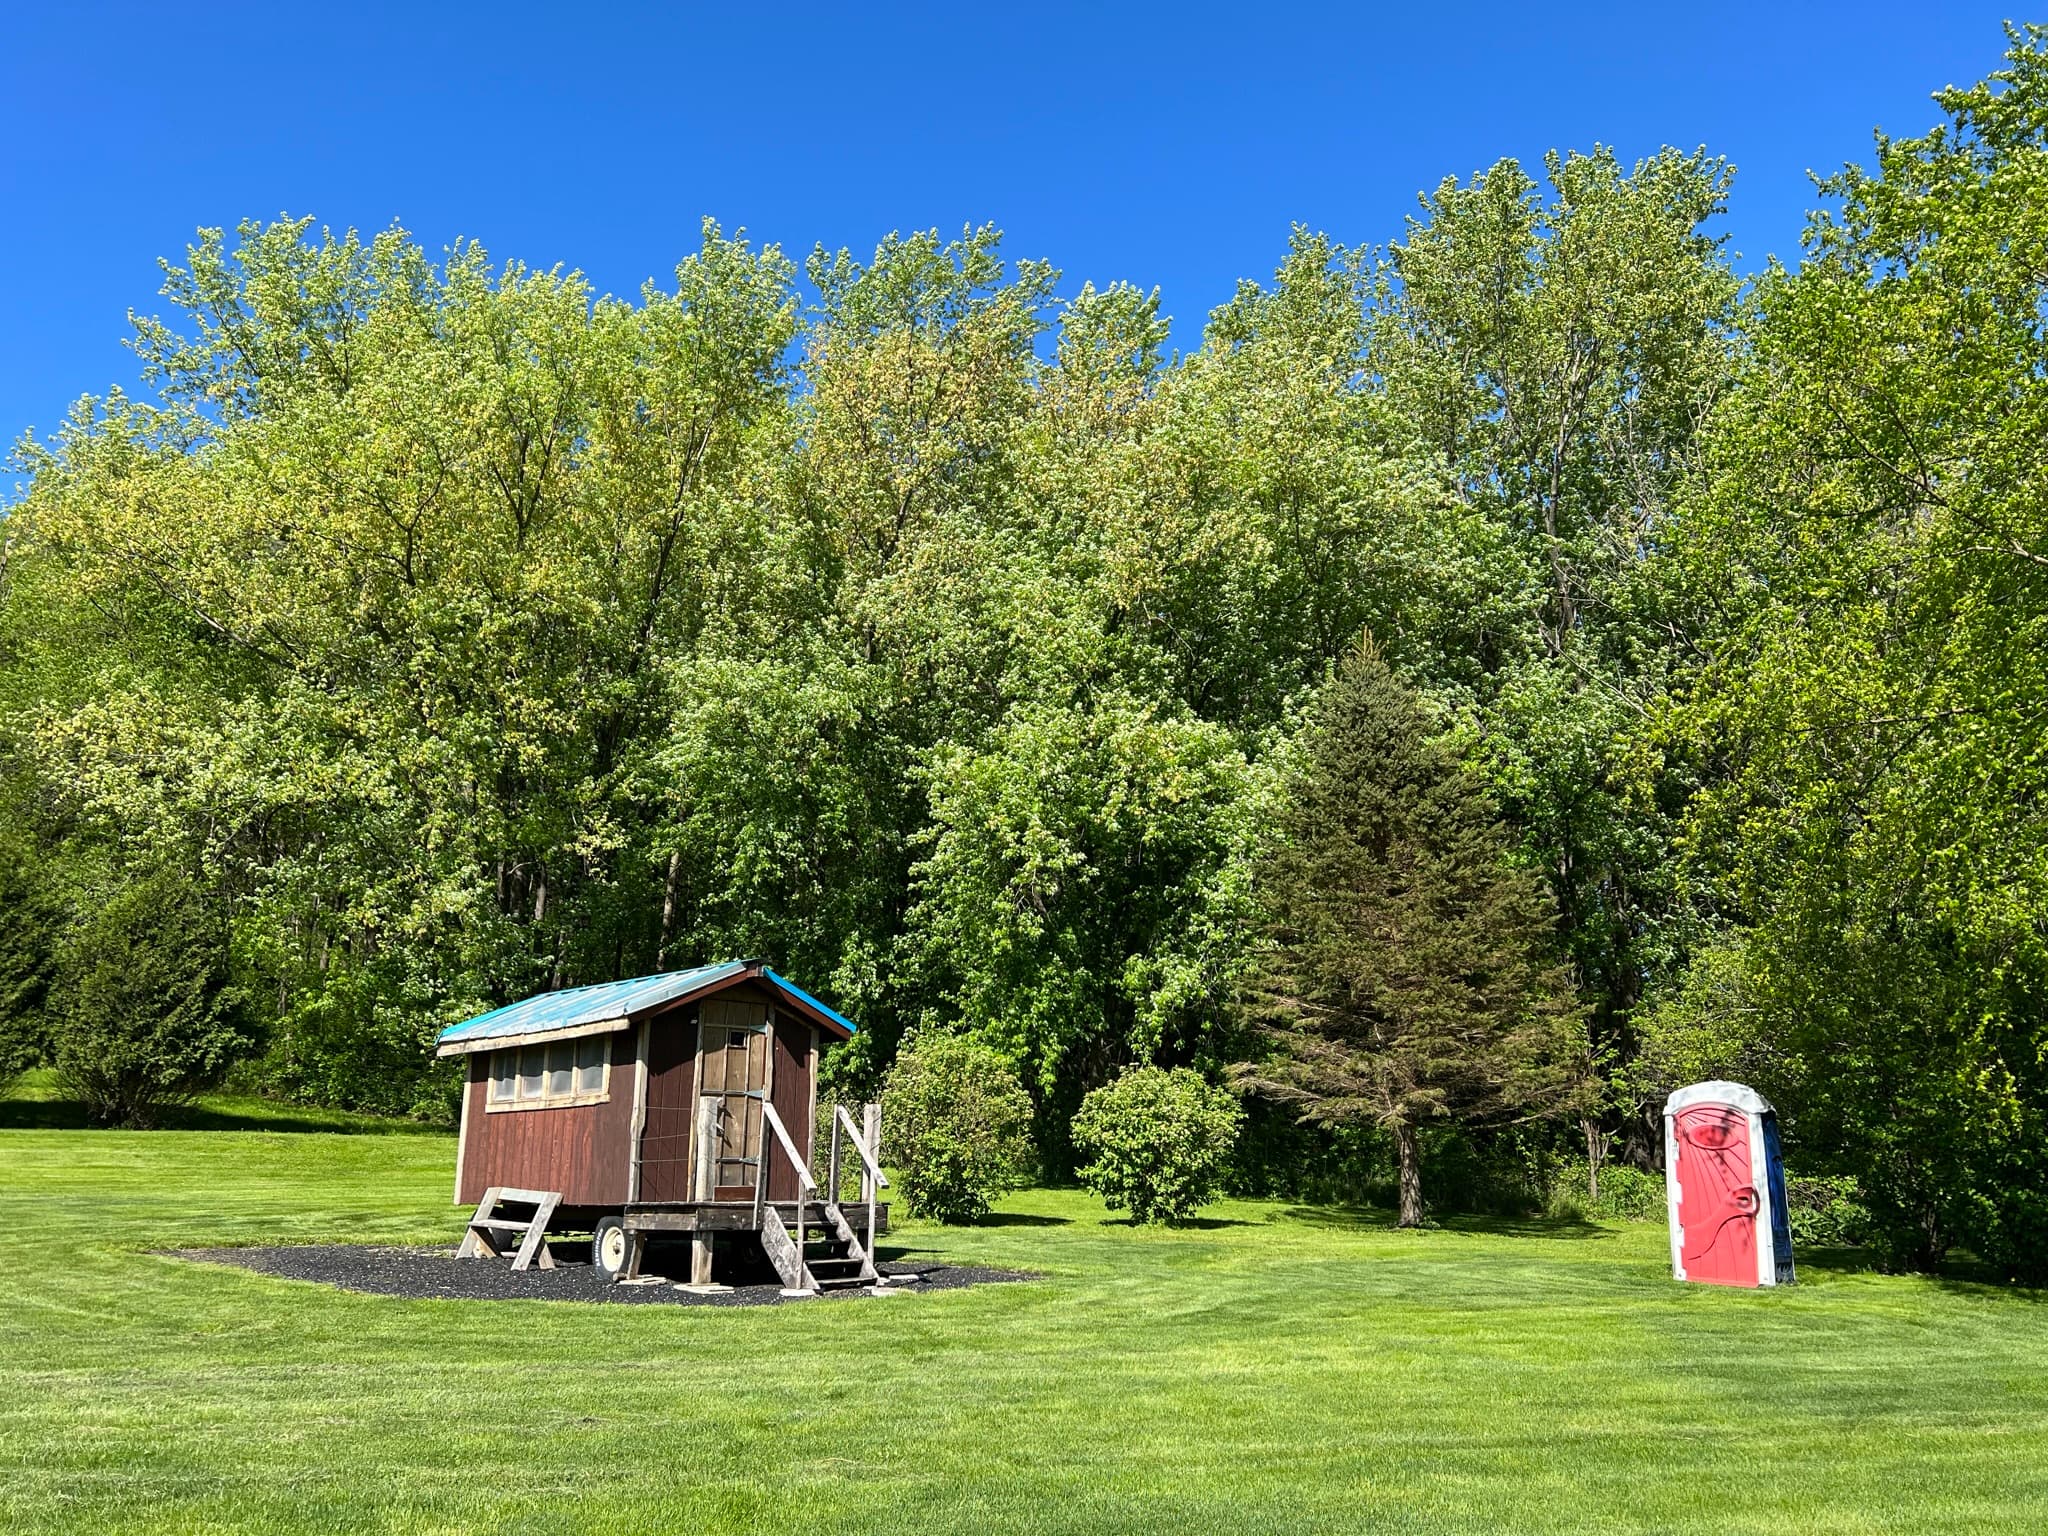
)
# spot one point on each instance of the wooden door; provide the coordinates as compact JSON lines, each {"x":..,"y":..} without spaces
{"x":734,"y":1069}
{"x":666,"y":1133}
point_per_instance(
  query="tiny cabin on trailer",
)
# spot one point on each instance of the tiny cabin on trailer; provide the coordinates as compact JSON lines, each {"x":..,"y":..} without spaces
{"x":679,"y":1104}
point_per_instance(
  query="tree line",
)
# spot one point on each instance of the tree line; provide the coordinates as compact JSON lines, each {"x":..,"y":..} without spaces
{"x":431,"y":633}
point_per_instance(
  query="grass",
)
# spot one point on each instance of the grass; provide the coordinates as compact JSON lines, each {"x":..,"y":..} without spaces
{"x":1275,"y":1368}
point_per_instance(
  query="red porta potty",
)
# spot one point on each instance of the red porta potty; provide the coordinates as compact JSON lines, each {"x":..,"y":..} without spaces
{"x":1725,"y":1185}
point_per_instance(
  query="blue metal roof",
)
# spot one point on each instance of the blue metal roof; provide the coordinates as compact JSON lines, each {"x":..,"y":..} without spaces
{"x":575,"y":1008}
{"x":798,"y":992}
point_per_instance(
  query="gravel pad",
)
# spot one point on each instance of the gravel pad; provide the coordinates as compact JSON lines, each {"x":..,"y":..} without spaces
{"x":435,"y":1273}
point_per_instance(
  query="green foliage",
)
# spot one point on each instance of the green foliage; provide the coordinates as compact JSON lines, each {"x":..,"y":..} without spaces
{"x":356,"y":1042}
{"x":1084,"y":888}
{"x":31,"y":931}
{"x":142,"y":1015}
{"x":1559,"y":346}
{"x":1625,"y":1194}
{"x":1158,"y":1142}
{"x":955,"y":1126}
{"x":477,"y":636}
{"x":365,"y":616}
{"x":1407,"y":978}
{"x":1826,"y":1213}
{"x":470,"y":634}
{"x":1873,"y":571}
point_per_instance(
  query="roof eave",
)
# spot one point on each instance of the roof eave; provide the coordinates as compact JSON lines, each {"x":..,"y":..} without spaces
{"x":476,"y":1043}
{"x":825,"y":1018}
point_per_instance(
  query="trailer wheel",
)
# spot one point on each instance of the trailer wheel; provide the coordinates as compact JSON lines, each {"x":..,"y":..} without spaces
{"x":608,"y":1246}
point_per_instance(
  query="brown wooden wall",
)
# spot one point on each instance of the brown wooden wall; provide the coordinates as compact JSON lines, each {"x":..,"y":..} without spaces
{"x":671,"y":1105}
{"x":665,"y":1143}
{"x":582,"y":1149}
{"x":790,"y":1093}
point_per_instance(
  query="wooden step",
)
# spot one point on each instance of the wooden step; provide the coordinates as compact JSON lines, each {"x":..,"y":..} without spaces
{"x":479,"y":1241}
{"x":830,"y":1257}
{"x":838,"y":1277}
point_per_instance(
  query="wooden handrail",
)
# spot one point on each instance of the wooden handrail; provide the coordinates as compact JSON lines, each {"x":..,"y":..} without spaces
{"x":874,"y":1183}
{"x":804,"y":1182}
{"x":774,"y":1123}
{"x":867,"y":1158}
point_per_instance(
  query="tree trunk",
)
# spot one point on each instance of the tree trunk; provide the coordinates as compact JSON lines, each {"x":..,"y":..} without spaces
{"x":1411,"y":1175}
{"x":668,"y":908}
{"x":1596,"y":1154}
{"x":1642,"y":1139}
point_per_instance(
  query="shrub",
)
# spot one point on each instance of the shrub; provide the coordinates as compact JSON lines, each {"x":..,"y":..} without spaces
{"x":955,"y":1124}
{"x":361,"y":1039}
{"x":1826,"y":1213}
{"x":30,"y":926}
{"x":141,"y":1012}
{"x":1626,"y":1194}
{"x":1158,"y":1142}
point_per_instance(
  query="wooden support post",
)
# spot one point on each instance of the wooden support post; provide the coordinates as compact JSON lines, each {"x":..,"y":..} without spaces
{"x":639,"y":1111}
{"x":469,"y":1072}
{"x":871,"y":1135}
{"x":832,"y":1167}
{"x":703,"y":1184}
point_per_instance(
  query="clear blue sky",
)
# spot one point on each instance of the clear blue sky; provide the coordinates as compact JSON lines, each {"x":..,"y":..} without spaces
{"x":1169,"y":145}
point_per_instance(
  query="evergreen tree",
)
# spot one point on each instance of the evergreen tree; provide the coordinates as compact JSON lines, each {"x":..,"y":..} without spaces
{"x":30,"y":926}
{"x":141,"y":1011}
{"x":1406,"y":979}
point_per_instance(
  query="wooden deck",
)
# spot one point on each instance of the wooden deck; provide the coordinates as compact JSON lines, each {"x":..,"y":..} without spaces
{"x":740,"y":1215}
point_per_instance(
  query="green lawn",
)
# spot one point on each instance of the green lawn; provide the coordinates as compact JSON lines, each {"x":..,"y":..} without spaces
{"x":1277,"y":1369}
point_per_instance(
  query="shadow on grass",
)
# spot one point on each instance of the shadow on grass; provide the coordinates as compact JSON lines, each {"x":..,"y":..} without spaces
{"x":1575,"y":1228}
{"x":1964,"y":1274}
{"x":1345,"y":1218}
{"x":898,"y":1253}
{"x":1192,"y":1224}
{"x":1837,"y":1261}
{"x":1360,"y":1218}
{"x":1992,"y":1286}
{"x":1020,"y":1219}
{"x":1960,"y":1274}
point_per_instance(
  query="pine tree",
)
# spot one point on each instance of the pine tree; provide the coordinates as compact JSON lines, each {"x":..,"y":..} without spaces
{"x":1406,"y":979}
{"x":142,"y":1014}
{"x":31,"y":925}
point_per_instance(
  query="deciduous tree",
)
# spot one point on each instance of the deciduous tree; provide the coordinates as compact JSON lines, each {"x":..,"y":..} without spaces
{"x":1871,"y":571}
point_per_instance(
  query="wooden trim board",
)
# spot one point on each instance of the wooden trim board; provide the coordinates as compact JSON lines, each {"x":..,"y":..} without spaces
{"x":462,"y":1134}
{"x":639,"y":1113}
